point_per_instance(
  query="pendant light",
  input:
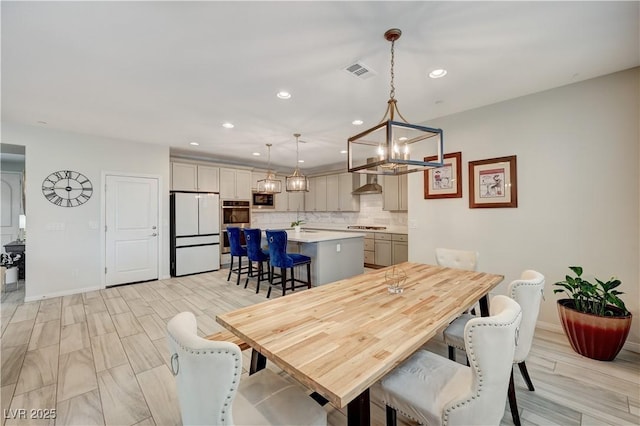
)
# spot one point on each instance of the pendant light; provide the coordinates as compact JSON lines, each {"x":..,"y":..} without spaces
{"x":297,"y":182}
{"x":269,"y":185}
{"x":394,"y":147}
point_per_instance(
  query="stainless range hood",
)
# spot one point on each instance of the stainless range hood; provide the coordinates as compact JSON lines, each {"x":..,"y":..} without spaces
{"x":371,"y":187}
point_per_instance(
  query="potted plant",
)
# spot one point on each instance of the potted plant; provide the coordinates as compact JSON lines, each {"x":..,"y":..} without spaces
{"x":296,"y":224}
{"x":594,"y":318}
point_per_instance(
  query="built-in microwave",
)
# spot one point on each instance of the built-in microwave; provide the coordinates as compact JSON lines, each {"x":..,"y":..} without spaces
{"x":263,"y":201}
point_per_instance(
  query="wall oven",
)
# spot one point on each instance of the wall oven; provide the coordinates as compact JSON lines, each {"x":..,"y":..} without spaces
{"x":234,"y":213}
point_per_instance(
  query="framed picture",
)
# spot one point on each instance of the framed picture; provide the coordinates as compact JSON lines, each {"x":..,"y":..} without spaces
{"x":445,"y":181}
{"x":493,"y":183}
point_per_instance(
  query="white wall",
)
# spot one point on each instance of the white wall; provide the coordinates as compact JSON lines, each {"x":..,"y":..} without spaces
{"x":578,"y":188}
{"x":63,"y":252}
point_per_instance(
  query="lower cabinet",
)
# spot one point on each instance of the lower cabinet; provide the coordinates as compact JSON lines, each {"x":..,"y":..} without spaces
{"x":399,"y":248}
{"x":384,"y":249}
{"x":382,"y":243}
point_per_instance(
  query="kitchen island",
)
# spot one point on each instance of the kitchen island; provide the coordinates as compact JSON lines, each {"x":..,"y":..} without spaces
{"x":334,"y":255}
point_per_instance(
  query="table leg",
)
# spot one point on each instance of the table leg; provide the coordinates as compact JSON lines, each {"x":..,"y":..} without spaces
{"x":358,"y":410}
{"x":258,"y":362}
{"x":484,"y":305}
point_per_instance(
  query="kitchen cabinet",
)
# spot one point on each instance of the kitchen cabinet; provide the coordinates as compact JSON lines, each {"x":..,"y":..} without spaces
{"x":194,"y":177}
{"x":288,"y":201}
{"x":369,"y":249}
{"x":399,"y":248}
{"x":394,"y":193}
{"x":316,"y":199}
{"x":382,"y":248}
{"x":339,"y":189}
{"x":235,"y":184}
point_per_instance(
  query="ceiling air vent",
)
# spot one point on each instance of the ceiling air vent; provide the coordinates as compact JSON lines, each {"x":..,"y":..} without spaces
{"x":360,"y":70}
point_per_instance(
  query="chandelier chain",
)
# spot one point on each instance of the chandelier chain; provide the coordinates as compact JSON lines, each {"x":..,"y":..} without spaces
{"x":392,"y":92}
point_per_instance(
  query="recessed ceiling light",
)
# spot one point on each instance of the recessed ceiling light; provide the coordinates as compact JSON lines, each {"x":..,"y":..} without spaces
{"x":300,"y":161}
{"x":438,"y":73}
{"x":257,"y":154}
{"x":403,"y":138}
{"x":194,"y":143}
{"x":284,"y":95}
{"x":228,"y":125}
{"x":344,"y":151}
{"x":357,"y":122}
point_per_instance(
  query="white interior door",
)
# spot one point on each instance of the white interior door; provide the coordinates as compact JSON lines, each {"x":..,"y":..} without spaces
{"x":131,"y":220}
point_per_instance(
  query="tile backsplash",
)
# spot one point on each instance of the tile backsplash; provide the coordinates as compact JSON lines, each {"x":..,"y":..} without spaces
{"x":370,"y":213}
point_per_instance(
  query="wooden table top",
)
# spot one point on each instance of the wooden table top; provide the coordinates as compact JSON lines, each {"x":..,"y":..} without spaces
{"x":340,"y":338}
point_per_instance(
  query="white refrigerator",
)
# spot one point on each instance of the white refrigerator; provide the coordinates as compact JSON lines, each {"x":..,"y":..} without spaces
{"x":195,"y":232}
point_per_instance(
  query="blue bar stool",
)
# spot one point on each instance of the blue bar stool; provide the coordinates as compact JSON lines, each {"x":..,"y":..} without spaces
{"x":237,"y":250}
{"x":279,"y":258}
{"x":255,"y":253}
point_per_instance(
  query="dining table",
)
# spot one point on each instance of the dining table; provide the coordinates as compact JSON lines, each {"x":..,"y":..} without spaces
{"x":340,"y":338}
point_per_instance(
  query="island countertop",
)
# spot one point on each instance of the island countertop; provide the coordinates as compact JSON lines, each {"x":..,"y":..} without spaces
{"x":315,"y":236}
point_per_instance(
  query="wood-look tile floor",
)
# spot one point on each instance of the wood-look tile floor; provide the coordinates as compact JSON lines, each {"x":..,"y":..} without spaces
{"x":100,"y":358}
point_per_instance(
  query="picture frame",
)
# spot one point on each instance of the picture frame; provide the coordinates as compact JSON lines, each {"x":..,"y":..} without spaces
{"x":493,"y":183}
{"x":445,"y":181}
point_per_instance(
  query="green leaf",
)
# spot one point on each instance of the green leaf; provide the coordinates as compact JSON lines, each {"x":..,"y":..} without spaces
{"x":576,"y":270}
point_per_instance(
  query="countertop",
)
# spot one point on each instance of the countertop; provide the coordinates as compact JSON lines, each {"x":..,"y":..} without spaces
{"x":313,"y":236}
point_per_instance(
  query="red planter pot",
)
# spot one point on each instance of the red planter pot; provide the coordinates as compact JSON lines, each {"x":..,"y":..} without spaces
{"x":591,"y":335}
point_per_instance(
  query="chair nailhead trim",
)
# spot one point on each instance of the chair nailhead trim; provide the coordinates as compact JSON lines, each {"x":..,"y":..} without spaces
{"x":237,"y":366}
{"x":471,"y":358}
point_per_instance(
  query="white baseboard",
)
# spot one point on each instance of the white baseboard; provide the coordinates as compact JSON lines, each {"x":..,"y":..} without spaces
{"x":61,"y":293}
{"x":557,"y":328}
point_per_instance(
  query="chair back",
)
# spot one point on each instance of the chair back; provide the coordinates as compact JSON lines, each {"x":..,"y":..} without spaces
{"x":253,"y":236}
{"x":490,"y":344}
{"x":207,"y":373}
{"x":278,"y":257}
{"x":235,"y":244}
{"x":527,"y":291}
{"x":459,"y":259}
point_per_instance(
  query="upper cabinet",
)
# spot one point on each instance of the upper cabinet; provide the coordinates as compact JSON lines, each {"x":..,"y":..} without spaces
{"x":339,"y":188}
{"x":316,"y":199}
{"x":235,"y":184}
{"x":288,"y":201}
{"x":194,"y":177}
{"x":394,"y":193}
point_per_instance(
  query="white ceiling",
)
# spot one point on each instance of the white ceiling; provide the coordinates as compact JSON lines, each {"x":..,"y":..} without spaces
{"x":172,"y":72}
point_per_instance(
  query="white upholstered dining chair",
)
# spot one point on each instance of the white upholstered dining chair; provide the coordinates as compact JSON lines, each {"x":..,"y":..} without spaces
{"x":434,"y":390}
{"x":459,"y":259}
{"x":528,"y":292}
{"x":210,"y":391}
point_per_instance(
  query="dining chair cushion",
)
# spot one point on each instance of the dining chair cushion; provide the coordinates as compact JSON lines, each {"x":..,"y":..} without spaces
{"x":435,"y":391}
{"x":211,"y":391}
{"x":453,"y":334}
{"x":421,"y":387}
{"x":235,"y":246}
{"x":459,"y":259}
{"x":265,"y":398}
{"x":255,"y":253}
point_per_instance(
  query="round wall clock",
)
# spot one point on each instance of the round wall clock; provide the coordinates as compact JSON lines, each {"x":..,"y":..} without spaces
{"x":66,"y":188}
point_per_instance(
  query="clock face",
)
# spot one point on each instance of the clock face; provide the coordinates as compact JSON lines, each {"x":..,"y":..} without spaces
{"x":66,"y":188}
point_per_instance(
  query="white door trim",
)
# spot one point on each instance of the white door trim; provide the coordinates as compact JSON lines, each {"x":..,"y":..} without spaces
{"x":103,"y":220}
